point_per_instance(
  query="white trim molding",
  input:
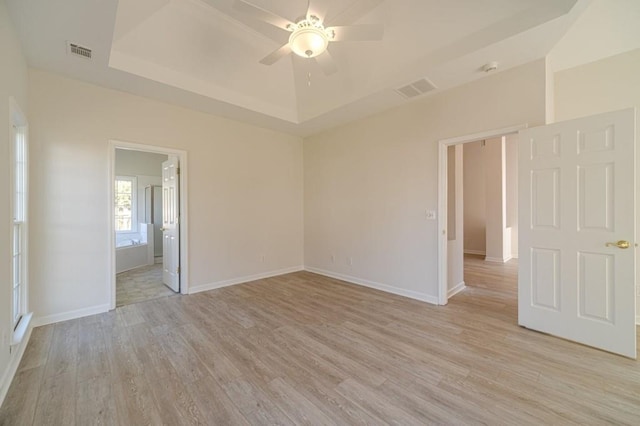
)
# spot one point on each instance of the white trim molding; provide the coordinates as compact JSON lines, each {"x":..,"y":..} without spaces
{"x":456,"y":289}
{"x":497,"y":259}
{"x":14,"y":363}
{"x":69,"y":315}
{"x":242,"y":280}
{"x":476,"y":252}
{"x":184,"y":213}
{"x":423,"y":297}
{"x":443,"y":144}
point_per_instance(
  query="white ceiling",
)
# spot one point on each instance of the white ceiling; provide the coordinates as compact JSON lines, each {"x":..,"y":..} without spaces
{"x":204,"y":55}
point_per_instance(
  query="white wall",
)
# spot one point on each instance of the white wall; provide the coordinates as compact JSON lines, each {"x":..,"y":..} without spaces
{"x":245,"y":191}
{"x":475,"y":207}
{"x":606,"y":85}
{"x":136,"y":163}
{"x":13,"y":82}
{"x":368,"y":183}
{"x":605,"y":28}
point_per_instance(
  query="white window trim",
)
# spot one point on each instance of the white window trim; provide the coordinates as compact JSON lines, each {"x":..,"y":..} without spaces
{"x":134,"y":203}
{"x":19,"y":124}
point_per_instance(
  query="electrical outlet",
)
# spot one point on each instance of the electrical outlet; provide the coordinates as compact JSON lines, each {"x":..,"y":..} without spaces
{"x":430,"y":214}
{"x":262,"y":257}
{"x":333,"y":258}
{"x":350,"y":261}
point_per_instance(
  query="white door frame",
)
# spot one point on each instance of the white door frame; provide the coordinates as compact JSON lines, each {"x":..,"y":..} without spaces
{"x":443,"y":144}
{"x":184,"y":217}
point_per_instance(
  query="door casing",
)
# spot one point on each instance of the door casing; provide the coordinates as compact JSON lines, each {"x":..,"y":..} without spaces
{"x":184,"y":216}
{"x":442,"y":198}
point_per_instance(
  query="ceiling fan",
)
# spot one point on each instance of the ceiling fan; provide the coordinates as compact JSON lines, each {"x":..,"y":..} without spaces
{"x":310,"y":36}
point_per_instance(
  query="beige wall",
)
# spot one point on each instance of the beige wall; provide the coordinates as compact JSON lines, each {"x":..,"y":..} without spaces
{"x":606,"y":85}
{"x":455,"y":211}
{"x":368,"y":183}
{"x":475,"y":207}
{"x":511,"y":163}
{"x":13,"y":82}
{"x":245,"y":191}
{"x":481,"y":163}
{"x":495,"y":202}
{"x":451,"y":192}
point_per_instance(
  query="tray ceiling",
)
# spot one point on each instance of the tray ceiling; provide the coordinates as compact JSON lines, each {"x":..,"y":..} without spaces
{"x":204,"y":54}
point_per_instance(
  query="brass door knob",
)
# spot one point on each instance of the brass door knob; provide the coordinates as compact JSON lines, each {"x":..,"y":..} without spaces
{"x":620,"y":244}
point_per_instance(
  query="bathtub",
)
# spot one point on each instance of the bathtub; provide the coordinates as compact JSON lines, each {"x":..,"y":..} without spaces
{"x":133,"y":252}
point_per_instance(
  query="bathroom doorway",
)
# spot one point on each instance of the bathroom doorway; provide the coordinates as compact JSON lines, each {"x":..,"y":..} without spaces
{"x":146,"y":209}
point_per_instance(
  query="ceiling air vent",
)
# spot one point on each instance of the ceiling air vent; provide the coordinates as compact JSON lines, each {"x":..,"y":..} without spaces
{"x":77,"y":50}
{"x":417,"y":88}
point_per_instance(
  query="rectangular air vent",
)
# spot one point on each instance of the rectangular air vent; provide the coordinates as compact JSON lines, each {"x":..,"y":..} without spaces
{"x":77,"y":50}
{"x":417,"y":88}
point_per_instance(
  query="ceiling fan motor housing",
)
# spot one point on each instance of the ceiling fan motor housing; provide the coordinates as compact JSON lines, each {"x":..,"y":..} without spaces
{"x":309,"y":38}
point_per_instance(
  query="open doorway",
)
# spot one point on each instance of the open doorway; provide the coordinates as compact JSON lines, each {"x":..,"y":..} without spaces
{"x":490,"y":216}
{"x":478,"y":231}
{"x":148,"y":206}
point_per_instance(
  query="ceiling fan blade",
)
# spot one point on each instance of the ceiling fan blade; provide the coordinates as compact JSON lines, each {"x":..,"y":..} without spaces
{"x":364,"y":32}
{"x":327,"y":64}
{"x":261,"y":14}
{"x":356,"y":10}
{"x":317,"y":8}
{"x":276,"y":55}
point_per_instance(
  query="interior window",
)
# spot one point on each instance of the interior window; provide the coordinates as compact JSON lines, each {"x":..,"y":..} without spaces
{"x":19,"y":210}
{"x":125,"y":203}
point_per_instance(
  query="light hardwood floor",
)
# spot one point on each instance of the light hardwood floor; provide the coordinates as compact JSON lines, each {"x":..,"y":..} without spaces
{"x":141,"y":284}
{"x":305,"y":349}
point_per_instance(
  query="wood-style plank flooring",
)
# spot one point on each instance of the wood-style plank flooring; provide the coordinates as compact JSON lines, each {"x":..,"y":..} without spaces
{"x":141,"y":284}
{"x":305,"y":349}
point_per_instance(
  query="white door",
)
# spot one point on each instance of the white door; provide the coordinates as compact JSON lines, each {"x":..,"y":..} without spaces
{"x":171,"y":223}
{"x":577,"y":197}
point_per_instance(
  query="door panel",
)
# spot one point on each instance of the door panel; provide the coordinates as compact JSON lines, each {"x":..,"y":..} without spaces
{"x":577,"y":193}
{"x":171,"y":224}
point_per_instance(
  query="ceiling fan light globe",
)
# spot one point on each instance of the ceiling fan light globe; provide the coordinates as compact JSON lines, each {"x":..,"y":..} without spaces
{"x":308,"y":42}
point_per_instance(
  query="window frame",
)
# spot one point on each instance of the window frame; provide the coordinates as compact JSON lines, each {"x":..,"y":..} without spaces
{"x":134,"y":203}
{"x":19,"y":229}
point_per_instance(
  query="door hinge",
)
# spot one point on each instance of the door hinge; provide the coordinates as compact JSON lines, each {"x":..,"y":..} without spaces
{"x":178,"y":170}
{"x":178,"y":270}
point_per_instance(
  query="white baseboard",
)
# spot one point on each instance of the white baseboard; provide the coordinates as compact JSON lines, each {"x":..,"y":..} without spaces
{"x":240,"y":280}
{"x":497,"y":259}
{"x":65,"y":316}
{"x":514,"y":255}
{"x":378,"y":286}
{"x":478,"y":252}
{"x":456,"y":289}
{"x":14,"y":362}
